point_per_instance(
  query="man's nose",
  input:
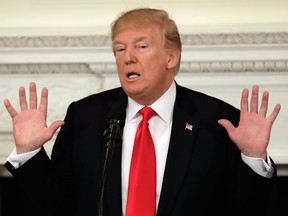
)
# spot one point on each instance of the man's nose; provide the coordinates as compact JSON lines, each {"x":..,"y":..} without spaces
{"x":130,"y":56}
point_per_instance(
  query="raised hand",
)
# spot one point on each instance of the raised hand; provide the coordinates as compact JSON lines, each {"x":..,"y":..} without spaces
{"x":253,"y":132}
{"x":29,"y":125}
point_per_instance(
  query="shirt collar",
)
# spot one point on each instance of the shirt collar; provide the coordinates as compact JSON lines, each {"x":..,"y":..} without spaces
{"x":163,"y":106}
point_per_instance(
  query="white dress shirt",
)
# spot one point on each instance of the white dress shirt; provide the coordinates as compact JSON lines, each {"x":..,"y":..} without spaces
{"x":160,"y":127}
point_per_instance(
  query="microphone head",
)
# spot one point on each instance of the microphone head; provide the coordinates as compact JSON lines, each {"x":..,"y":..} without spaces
{"x":117,"y":116}
{"x":115,"y":124}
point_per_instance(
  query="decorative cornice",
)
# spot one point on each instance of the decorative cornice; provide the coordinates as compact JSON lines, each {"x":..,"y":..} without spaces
{"x":44,"y":68}
{"x":234,"y":66}
{"x":239,"y":38}
{"x":27,"y":41}
{"x":203,"y":52}
{"x":236,"y":38}
{"x":110,"y":68}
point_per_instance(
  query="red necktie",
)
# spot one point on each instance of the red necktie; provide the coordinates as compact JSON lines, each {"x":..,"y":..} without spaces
{"x":141,"y":200}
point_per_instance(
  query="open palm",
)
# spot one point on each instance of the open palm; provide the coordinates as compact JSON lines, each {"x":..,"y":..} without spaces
{"x":253,"y":132}
{"x":29,"y":125}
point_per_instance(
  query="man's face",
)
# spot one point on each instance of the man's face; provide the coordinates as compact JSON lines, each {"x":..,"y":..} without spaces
{"x":144,"y":66}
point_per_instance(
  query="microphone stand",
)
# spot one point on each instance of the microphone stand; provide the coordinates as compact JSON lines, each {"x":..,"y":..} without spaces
{"x":112,"y":135}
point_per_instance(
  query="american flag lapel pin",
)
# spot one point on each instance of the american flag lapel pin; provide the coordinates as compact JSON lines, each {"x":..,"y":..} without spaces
{"x":188,"y":127}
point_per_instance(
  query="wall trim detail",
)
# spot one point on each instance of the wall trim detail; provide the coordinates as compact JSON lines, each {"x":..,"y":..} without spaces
{"x":44,"y":68}
{"x":237,"y":38}
{"x":203,"y":52}
{"x":110,"y":68}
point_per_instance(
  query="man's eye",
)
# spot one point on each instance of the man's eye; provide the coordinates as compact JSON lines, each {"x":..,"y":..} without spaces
{"x":119,"y":50}
{"x":142,"y":46}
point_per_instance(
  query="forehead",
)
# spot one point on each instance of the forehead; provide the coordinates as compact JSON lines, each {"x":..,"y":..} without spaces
{"x":135,"y":34}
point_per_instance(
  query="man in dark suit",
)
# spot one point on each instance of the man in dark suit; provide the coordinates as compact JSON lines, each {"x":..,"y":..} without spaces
{"x":211,"y":157}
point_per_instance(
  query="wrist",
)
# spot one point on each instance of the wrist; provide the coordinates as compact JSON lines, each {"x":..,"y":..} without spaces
{"x":255,"y":154}
{"x":21,"y":150}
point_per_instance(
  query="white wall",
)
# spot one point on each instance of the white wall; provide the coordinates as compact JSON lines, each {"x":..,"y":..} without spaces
{"x":95,"y":16}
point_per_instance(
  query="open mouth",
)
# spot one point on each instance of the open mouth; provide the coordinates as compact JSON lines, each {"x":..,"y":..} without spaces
{"x":132,"y":75}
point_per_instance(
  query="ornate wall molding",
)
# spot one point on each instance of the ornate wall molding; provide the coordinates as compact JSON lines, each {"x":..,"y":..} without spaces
{"x":45,"y":69}
{"x":203,"y":52}
{"x":29,"y":41}
{"x":238,"y":38}
{"x":234,"y":66}
{"x":110,"y":68}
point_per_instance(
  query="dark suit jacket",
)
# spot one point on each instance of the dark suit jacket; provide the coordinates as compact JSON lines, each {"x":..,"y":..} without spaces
{"x":204,"y":173}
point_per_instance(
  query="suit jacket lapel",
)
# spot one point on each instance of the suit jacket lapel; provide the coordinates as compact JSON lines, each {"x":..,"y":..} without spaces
{"x":179,"y":154}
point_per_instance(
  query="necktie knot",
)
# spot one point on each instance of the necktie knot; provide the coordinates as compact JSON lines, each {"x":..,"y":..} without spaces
{"x":147,"y":113}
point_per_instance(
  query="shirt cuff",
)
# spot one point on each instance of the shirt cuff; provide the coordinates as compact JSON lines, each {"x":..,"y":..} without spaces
{"x":17,"y":160}
{"x":259,"y":165}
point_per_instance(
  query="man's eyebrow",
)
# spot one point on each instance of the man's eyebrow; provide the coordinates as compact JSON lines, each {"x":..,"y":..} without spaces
{"x":115,"y":42}
{"x":135,"y":40}
{"x":141,"y":38}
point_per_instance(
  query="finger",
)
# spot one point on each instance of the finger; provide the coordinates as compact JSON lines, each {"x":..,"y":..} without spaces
{"x":12,"y":112}
{"x":275,"y":113}
{"x":264,"y":104}
{"x":33,"y":96}
{"x":22,"y":98}
{"x":244,"y":101}
{"x":44,"y":101}
{"x":254,"y":99}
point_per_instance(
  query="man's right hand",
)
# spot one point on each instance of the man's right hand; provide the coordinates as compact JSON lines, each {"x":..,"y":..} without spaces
{"x":30,"y":130}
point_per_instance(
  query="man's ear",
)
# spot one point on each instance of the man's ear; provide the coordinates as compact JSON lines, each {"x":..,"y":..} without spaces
{"x":173,"y":59}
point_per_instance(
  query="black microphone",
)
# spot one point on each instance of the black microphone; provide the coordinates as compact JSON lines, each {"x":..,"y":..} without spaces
{"x":113,"y":132}
{"x":112,"y":138}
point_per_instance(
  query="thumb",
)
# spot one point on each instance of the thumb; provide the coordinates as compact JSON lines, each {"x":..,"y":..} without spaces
{"x":55,"y":125}
{"x":227,"y":125}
